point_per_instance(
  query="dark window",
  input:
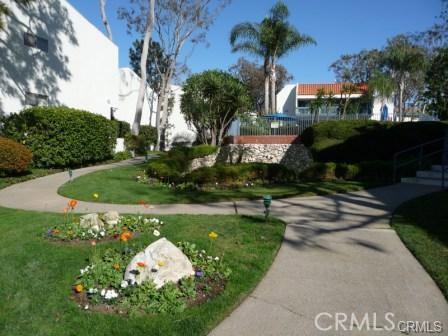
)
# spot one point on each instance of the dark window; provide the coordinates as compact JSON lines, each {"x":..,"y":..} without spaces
{"x":35,"y":41}
{"x":35,"y":99}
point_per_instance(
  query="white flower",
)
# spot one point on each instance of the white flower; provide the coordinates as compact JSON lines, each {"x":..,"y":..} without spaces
{"x":216,"y":258}
{"x":161,"y":223}
{"x":110,"y":294}
{"x":156,"y":233}
{"x":86,"y":307}
{"x":81,"y":271}
{"x":124,"y":284}
{"x":139,"y":177}
{"x":146,"y":221}
{"x":90,"y":231}
{"x":203,"y":251}
{"x":103,"y":292}
{"x":102,"y":233}
{"x":92,"y":290}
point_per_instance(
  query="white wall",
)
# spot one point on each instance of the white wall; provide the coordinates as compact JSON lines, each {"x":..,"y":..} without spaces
{"x":376,"y":111}
{"x":127,"y":99}
{"x":79,"y":70}
{"x":286,"y":100}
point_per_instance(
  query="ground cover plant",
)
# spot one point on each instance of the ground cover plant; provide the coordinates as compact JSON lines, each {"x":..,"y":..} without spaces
{"x":422,"y":225}
{"x":38,"y":275}
{"x":122,"y":186}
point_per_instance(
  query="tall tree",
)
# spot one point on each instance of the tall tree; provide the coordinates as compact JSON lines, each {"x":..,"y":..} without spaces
{"x":177,"y":23}
{"x":281,"y":38}
{"x":210,"y":102}
{"x":143,"y":19}
{"x":383,"y":86}
{"x":102,"y":4}
{"x":436,"y":91}
{"x":405,"y":63}
{"x":270,"y":39}
{"x":252,"y":75}
{"x":436,"y":36}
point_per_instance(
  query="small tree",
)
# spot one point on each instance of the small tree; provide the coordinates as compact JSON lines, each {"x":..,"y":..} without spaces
{"x":210,"y":102}
{"x":436,"y":91}
{"x":383,"y":86}
{"x":317,"y":104}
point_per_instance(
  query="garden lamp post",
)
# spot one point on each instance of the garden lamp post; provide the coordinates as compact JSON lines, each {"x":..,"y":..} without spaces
{"x":267,"y":200}
{"x":70,"y":174}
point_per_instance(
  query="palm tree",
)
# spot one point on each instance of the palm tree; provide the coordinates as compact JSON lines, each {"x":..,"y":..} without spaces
{"x":281,"y":38}
{"x":383,"y":86}
{"x":271,"y":39}
{"x":247,"y":37}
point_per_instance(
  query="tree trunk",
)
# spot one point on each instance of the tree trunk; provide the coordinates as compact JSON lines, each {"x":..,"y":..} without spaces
{"x":104,"y":19}
{"x":165,"y":111}
{"x":151,"y":107}
{"x":273,"y":89}
{"x":266,"y":86}
{"x":158,"y":112}
{"x":143,"y":61}
{"x":400,"y":101}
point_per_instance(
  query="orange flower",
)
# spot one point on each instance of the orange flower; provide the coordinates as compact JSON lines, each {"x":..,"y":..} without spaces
{"x":56,"y":231}
{"x":66,"y":209}
{"x":141,"y":264}
{"x":125,"y":236}
{"x":72,"y":203}
{"x":93,"y":243}
{"x":78,"y":288}
{"x":116,"y":267}
{"x":144,"y":203}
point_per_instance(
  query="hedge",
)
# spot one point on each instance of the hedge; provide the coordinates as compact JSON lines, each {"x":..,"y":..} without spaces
{"x":61,"y":136}
{"x":123,"y":128}
{"x":356,"y":141}
{"x":15,"y":158}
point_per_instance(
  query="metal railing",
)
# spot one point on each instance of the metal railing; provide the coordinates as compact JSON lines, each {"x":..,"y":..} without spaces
{"x":293,"y":126}
{"x":439,"y":154}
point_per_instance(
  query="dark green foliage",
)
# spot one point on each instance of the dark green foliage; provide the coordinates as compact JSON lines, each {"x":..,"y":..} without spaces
{"x":140,"y":143}
{"x":123,"y":128}
{"x":357,"y":141}
{"x":15,"y":158}
{"x":240,"y":173}
{"x":120,"y":156}
{"x":437,"y":84}
{"x":175,"y":163}
{"x":61,"y":136}
{"x":366,"y":171}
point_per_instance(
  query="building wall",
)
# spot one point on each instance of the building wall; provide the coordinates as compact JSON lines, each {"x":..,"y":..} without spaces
{"x":286,"y":100}
{"x":376,"y":110}
{"x":79,"y":70}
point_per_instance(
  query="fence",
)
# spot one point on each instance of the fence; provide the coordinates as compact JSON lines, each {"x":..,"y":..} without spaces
{"x":284,"y":126}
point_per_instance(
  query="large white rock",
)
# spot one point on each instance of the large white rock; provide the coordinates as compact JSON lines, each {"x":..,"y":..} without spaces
{"x":160,"y":262}
{"x":91,"y":221}
{"x":111,"y":218}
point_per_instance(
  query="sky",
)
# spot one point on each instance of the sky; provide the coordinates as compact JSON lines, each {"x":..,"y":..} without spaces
{"x":338,"y":26}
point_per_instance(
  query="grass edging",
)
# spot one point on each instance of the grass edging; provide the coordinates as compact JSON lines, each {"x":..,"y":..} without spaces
{"x":422,"y":225}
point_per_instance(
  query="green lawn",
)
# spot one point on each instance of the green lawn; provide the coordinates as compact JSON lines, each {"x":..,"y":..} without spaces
{"x":6,"y":181}
{"x":37,"y":275}
{"x":422,"y":225}
{"x":119,"y":186}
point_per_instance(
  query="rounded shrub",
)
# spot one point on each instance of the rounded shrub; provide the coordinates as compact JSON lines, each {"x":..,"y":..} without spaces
{"x":163,"y":171}
{"x":123,"y":128}
{"x":319,"y":171}
{"x":141,"y":143}
{"x":15,"y":158}
{"x":61,"y":136}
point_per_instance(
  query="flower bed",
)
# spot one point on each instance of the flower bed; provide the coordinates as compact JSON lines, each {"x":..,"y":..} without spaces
{"x":100,"y":286}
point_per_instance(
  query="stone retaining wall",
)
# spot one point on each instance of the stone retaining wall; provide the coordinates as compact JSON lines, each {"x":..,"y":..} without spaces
{"x":293,"y":156}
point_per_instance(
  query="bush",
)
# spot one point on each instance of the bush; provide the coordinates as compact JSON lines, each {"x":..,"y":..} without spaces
{"x":347,"y":171}
{"x":354,"y":141}
{"x":163,"y":171}
{"x":123,"y":128}
{"x":124,"y":155}
{"x":235,"y":174}
{"x":61,"y":136}
{"x":319,"y":171}
{"x":201,"y":151}
{"x":15,"y":158}
{"x":141,"y":143}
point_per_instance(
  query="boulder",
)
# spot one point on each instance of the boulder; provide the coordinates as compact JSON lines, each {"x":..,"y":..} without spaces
{"x":160,"y":262}
{"x":111,"y":218}
{"x":91,"y":221}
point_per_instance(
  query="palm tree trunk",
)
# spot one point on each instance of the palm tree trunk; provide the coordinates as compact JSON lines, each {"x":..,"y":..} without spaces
{"x":143,"y":61}
{"x":273,"y":88}
{"x":266,"y":86}
{"x":400,"y":101}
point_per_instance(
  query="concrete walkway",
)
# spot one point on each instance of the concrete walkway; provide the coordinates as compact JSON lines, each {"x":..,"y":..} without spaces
{"x":339,"y":255}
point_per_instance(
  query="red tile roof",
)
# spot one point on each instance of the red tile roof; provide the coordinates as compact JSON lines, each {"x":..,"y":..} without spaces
{"x":336,"y":88}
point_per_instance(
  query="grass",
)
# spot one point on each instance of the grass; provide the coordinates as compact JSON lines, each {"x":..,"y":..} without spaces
{"x":6,"y":181}
{"x":422,"y":225}
{"x":37,"y":275}
{"x":119,"y":186}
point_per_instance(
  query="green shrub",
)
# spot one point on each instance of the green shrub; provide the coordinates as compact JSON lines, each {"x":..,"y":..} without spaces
{"x":319,"y":171}
{"x":234,"y":174}
{"x":163,"y":171}
{"x":375,"y":171}
{"x":61,"y":136}
{"x":347,"y":171}
{"x":201,"y":151}
{"x":355,"y":141}
{"x":124,"y":155}
{"x":123,"y":128}
{"x":15,"y":158}
{"x":141,"y":143}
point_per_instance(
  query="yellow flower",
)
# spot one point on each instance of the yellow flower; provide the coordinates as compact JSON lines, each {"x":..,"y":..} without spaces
{"x":160,"y":263}
{"x":116,"y":266}
{"x":78,"y":288}
{"x":213,"y":235}
{"x":96,"y":196}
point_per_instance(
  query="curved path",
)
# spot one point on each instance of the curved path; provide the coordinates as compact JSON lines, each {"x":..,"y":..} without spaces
{"x":339,"y":255}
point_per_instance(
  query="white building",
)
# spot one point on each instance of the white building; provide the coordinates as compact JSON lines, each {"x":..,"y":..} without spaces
{"x":296,"y":99}
{"x":51,"y":55}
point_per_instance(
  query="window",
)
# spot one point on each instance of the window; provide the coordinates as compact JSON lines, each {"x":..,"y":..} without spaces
{"x":35,"y":41}
{"x":35,"y":99}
